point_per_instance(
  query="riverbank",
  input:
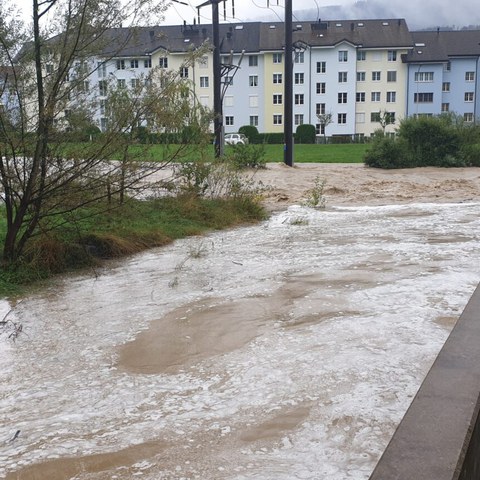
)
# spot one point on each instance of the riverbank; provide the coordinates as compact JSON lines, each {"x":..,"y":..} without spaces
{"x":356,"y":184}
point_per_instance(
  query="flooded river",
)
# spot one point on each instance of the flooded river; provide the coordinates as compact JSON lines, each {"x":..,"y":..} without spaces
{"x":286,"y":350}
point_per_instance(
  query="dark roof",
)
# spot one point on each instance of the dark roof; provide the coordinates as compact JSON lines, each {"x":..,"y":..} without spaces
{"x":438,"y":46}
{"x":361,"y":33}
{"x":257,"y":36}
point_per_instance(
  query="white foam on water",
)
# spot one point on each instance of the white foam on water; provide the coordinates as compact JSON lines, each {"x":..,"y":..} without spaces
{"x":383,"y":286}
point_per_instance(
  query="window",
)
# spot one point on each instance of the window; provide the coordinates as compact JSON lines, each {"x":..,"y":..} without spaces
{"x":134,"y":63}
{"x":321,"y":67}
{"x":320,"y":109}
{"x":360,"y":76}
{"x":277,"y":119}
{"x":375,"y":96}
{"x":253,"y":80}
{"x":392,"y":76}
{"x":102,"y":70}
{"x":254,"y":120}
{"x":228,"y":80}
{"x":83,"y":86}
{"x":103,"y":107}
{"x":375,"y":117}
{"x":447,"y":67}
{"x":377,"y":56}
{"x":253,"y":61}
{"x":469,"y":76}
{"x":391,"y":97}
{"x":121,"y":83}
{"x":135,"y":82}
{"x":203,"y":82}
{"x":183,"y":72}
{"x":253,"y":101}
{"x":320,"y":129}
{"x":120,"y":64}
{"x":423,"y":97}
{"x":49,"y":68}
{"x":445,"y":86}
{"x":228,"y":101}
{"x":203,"y":62}
{"x":163,"y":62}
{"x":392,"y":55}
{"x":468,"y":117}
{"x":390,"y":117}
{"x":469,"y":96}
{"x":321,"y":87}
{"x":376,"y":76}
{"x":343,"y":56}
{"x":299,"y":119}
{"x":360,"y":117}
{"x":299,"y":99}
{"x":445,"y":107}
{"x":299,"y":79}
{"x":361,"y":55}
{"x":342,"y":97}
{"x":360,"y":97}
{"x":424,"y":77}
{"x":277,"y":58}
{"x":277,"y":78}
{"x":147,"y":63}
{"x":102,"y":88}
{"x":204,"y":100}
{"x":277,"y":99}
{"x":299,"y":57}
{"x":342,"y":77}
{"x":103,"y":124}
{"x":341,"y":118}
{"x":229,"y":120}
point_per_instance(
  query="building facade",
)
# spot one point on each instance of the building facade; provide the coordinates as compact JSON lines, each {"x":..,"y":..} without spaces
{"x":356,"y":71}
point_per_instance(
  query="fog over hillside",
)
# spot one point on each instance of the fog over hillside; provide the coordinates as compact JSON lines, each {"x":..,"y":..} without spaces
{"x":426,"y":14}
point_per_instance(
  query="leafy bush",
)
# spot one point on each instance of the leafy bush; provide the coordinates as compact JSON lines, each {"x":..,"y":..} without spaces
{"x":247,"y":156}
{"x":470,"y":154}
{"x":430,"y":140}
{"x":386,"y":152}
{"x":305,"y":134}
{"x":250,"y":132}
{"x":271,"y":138}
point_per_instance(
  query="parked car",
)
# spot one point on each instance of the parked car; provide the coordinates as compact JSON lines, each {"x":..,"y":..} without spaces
{"x":235,"y":139}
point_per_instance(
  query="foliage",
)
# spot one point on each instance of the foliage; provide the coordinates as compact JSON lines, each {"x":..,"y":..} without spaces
{"x":251,"y":132}
{"x":271,"y":138}
{"x":246,"y":156}
{"x":131,"y":227}
{"x":386,"y":152}
{"x":441,"y":141}
{"x":305,"y":134}
{"x":43,"y":178}
{"x":315,"y":196}
{"x":429,"y":139}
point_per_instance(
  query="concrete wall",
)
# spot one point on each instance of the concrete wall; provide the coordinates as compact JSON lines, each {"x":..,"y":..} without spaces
{"x":439,"y":437}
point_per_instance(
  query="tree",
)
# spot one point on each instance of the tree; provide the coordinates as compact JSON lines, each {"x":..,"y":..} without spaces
{"x":44,"y":178}
{"x":385,"y":118}
{"x":324,"y":120}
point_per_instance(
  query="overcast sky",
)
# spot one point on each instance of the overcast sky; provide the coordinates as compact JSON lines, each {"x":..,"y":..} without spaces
{"x":418,"y":13}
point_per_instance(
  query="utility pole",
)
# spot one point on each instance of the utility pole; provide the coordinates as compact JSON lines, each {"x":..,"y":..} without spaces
{"x":217,"y":77}
{"x":288,"y":109}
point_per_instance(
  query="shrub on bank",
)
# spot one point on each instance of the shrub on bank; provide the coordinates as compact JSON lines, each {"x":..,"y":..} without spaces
{"x":440,"y":141}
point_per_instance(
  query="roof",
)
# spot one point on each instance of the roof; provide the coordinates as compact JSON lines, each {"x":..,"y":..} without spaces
{"x":257,"y":36}
{"x":440,"y":46}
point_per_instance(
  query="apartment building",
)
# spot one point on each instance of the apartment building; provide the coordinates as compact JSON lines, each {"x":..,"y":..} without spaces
{"x":354,"y":70}
{"x":443,"y":70}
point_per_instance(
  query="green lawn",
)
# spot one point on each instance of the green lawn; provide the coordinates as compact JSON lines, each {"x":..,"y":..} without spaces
{"x":303,"y":153}
{"x":342,"y":153}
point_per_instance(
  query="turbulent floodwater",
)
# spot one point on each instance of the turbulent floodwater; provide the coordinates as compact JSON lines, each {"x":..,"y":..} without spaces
{"x":285,"y":350}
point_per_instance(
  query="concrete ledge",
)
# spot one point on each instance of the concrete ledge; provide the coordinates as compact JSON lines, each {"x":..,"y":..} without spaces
{"x":439,"y":436}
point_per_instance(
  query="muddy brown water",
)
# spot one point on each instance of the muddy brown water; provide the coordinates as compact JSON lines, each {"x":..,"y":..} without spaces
{"x":286,"y":350}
